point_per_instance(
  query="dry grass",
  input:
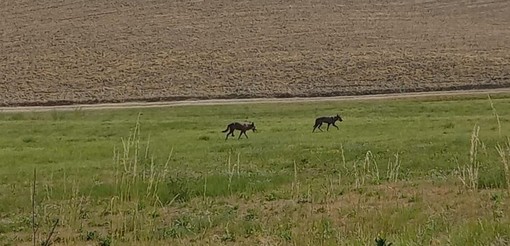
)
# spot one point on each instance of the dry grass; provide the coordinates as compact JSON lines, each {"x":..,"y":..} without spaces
{"x":95,"y":51}
{"x":345,"y":218}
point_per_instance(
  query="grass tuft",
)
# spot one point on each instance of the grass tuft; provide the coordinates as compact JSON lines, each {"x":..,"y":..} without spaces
{"x":469,"y":173}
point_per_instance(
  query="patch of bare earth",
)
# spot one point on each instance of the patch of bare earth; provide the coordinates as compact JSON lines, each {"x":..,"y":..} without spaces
{"x":72,"y":51}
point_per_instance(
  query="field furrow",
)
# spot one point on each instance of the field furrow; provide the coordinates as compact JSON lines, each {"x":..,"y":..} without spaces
{"x":113,"y":51}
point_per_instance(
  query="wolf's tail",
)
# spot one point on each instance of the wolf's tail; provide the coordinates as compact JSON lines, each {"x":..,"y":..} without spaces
{"x":225,"y":130}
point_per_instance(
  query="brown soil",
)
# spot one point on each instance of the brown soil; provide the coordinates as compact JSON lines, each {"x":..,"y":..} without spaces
{"x":67,"y":52}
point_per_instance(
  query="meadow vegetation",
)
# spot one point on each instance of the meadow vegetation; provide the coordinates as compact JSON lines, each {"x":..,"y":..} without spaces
{"x":428,"y":171}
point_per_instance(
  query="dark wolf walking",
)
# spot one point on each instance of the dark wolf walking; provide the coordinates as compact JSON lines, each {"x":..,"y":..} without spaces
{"x":328,"y":120}
{"x":243,"y":127}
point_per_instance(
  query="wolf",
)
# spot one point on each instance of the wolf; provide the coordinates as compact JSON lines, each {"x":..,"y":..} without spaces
{"x":328,"y":120}
{"x":243,"y":127}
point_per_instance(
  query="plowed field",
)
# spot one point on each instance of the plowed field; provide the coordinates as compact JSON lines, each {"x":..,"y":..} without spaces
{"x":69,"y":51}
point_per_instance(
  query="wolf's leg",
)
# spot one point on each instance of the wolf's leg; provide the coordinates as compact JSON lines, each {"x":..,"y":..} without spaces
{"x":336,"y":126}
{"x":319,"y":127}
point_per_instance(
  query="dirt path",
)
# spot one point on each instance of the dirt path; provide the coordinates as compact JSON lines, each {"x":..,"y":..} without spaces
{"x":246,"y":101}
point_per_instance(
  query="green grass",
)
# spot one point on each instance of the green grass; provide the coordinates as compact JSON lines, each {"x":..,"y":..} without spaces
{"x":284,"y":184}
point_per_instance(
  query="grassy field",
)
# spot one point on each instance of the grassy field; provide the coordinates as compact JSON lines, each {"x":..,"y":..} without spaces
{"x":68,"y":51}
{"x":412,"y":171}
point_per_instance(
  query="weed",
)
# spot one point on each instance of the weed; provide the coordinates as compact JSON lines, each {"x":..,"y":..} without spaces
{"x":28,"y":140}
{"x":379,"y":241}
{"x":250,"y":228}
{"x":393,"y":169}
{"x":368,"y":170}
{"x":227,"y":235}
{"x":285,"y":231}
{"x":323,"y":230}
{"x":91,"y":235}
{"x":469,"y":173}
{"x":105,"y":241}
{"x":204,"y":138}
{"x":250,"y":215}
{"x":496,"y":206}
{"x":495,"y":113}
{"x":504,"y":153}
{"x":449,"y":125}
{"x":179,"y":188}
{"x":271,"y":196}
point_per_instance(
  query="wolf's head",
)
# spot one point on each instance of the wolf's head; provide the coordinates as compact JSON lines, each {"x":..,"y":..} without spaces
{"x":252,"y":126}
